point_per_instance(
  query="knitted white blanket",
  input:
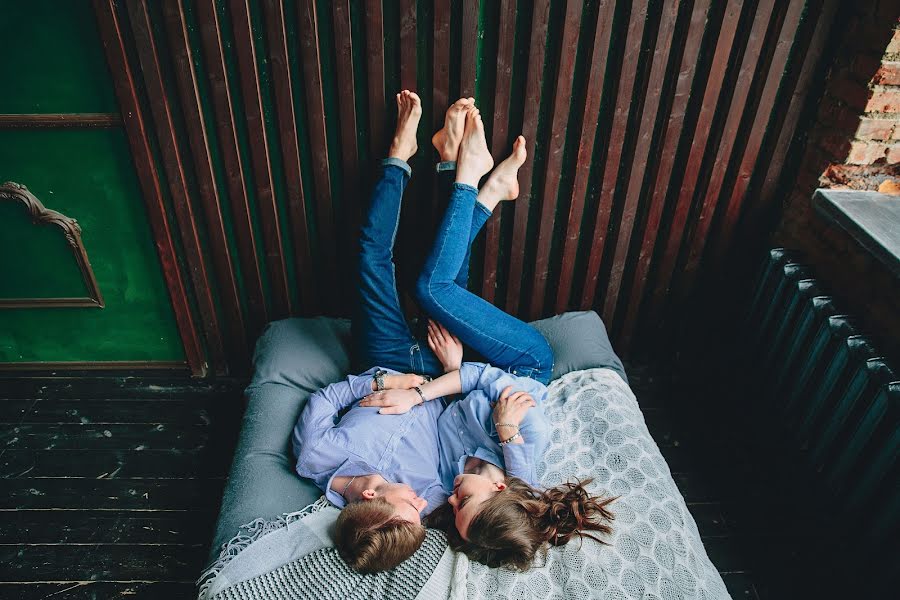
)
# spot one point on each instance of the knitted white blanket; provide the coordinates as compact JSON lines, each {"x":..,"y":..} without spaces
{"x":655,"y":550}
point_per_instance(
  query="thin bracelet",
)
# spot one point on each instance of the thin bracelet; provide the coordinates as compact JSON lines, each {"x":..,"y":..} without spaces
{"x":508,"y":440}
{"x":505,"y":425}
{"x":421,"y":395}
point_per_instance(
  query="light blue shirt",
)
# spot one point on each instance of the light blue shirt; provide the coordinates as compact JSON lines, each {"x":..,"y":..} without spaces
{"x":466,"y":428}
{"x":329,"y":442}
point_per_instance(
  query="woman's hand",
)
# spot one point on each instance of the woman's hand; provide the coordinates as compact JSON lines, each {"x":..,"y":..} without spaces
{"x":405,"y":381}
{"x":509,"y":410}
{"x":445,"y":346}
{"x":393,"y":402}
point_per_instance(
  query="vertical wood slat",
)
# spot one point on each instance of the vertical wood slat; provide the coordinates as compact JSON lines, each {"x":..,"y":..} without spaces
{"x":772,"y":174}
{"x":539,"y":23}
{"x":499,"y":137}
{"x":408,"y":51}
{"x":765,"y":11}
{"x":312,"y":79}
{"x":259,"y":156}
{"x":586,"y":149}
{"x":347,"y":110}
{"x":622,"y":112}
{"x":562,"y":99}
{"x":641,"y":155}
{"x":775,"y":74}
{"x":141,"y":29}
{"x":701,"y":131}
{"x":664,"y":173}
{"x":375,"y":76}
{"x":220,"y":94}
{"x":440,"y":67}
{"x":192,"y":109}
{"x":468,"y":60}
{"x":279,"y":58}
{"x":124,"y":85}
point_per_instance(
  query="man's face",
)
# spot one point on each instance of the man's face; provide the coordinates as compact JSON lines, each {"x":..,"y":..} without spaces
{"x":407,"y":504}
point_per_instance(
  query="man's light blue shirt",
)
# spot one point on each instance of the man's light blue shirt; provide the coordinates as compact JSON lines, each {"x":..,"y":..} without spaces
{"x":334,"y":437}
{"x":466,"y":428}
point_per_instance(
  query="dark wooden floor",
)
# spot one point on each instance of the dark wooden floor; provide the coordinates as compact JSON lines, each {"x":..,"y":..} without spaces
{"x":113,"y":484}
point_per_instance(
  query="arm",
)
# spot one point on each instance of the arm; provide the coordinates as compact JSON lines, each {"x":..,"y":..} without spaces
{"x":323,"y":406}
{"x":399,"y":401}
{"x":517,"y":419}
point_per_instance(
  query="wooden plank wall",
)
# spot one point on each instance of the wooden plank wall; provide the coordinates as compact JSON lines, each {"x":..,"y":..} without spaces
{"x":656,"y":130}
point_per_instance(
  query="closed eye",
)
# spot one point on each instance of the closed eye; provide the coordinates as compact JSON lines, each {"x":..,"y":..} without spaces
{"x":464,"y":500}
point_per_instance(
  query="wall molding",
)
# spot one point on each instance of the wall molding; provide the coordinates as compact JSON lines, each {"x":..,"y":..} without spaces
{"x":60,"y":121}
{"x":41,"y":215}
{"x":119,"y":365}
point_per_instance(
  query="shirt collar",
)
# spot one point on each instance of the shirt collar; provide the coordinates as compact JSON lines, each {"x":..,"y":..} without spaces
{"x":348,"y":468}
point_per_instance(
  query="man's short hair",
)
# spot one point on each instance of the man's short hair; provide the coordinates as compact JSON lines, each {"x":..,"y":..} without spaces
{"x":372,"y":538}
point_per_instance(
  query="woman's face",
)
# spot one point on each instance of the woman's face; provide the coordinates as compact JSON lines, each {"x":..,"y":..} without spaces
{"x":469,"y":492}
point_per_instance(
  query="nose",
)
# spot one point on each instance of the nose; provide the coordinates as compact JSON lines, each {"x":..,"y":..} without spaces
{"x":452,"y":501}
{"x":422,"y":503}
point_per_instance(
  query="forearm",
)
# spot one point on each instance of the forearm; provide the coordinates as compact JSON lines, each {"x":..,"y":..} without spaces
{"x":445,"y":385}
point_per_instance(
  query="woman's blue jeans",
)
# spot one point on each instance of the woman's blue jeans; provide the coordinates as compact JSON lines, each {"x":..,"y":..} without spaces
{"x":381,"y":334}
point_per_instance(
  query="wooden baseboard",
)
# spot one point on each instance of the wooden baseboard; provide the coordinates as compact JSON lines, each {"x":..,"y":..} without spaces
{"x":119,"y":365}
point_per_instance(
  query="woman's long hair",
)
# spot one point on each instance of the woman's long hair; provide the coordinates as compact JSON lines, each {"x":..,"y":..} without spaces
{"x":519,"y":521}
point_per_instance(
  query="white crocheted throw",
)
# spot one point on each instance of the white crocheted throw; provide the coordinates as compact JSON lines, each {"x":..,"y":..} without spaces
{"x":655,"y":552}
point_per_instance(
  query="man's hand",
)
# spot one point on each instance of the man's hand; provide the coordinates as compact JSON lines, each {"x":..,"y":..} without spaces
{"x":406,"y":381}
{"x":393,"y":402}
{"x":510,"y":409}
{"x":445,"y":346}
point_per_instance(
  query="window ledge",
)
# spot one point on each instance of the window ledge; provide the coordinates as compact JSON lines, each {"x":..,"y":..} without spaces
{"x":871,"y":218}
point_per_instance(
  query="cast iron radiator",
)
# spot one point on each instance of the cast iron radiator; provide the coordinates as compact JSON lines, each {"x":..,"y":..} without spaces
{"x":837,"y":398}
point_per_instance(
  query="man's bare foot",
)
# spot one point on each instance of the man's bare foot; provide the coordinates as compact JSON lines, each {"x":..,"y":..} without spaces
{"x":409,"y":110}
{"x":446,"y":141}
{"x":474,"y":158}
{"x":503,"y":184}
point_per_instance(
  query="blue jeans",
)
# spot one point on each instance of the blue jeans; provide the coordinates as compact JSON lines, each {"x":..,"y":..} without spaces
{"x":503,"y":340}
{"x":380,"y":332}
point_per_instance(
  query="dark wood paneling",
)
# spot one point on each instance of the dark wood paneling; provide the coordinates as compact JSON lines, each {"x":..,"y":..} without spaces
{"x":540,"y":22}
{"x":204,"y":171}
{"x":114,"y":47}
{"x":220,"y":96}
{"x":660,"y":141}
{"x":59,"y":121}
{"x":290,"y":150}
{"x":175,"y":175}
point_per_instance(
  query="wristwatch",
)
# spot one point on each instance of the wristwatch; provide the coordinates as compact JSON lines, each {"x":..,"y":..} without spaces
{"x":379,"y":379}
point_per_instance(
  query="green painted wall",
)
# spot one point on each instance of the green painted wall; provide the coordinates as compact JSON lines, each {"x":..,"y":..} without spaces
{"x":52,"y":62}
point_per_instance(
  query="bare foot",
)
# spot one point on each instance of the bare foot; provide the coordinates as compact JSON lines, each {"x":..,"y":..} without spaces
{"x":503,"y":184}
{"x":446,"y":141}
{"x":474,"y":157}
{"x":409,"y":110}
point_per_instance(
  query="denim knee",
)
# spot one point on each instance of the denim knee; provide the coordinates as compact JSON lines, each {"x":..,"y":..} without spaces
{"x":425,"y":293}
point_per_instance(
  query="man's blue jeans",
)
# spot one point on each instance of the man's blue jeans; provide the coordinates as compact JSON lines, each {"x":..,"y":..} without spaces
{"x":381,"y":333}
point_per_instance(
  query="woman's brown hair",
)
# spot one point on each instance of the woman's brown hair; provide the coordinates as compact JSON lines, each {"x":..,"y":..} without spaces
{"x":370,"y":537}
{"x":519,"y":521}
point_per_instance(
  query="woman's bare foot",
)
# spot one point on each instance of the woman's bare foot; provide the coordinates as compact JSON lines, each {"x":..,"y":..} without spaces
{"x":409,"y":110}
{"x":446,"y":141}
{"x":474,"y":158}
{"x":503,"y":184}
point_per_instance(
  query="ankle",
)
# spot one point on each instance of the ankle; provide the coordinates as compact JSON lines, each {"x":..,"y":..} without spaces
{"x":467,"y":177}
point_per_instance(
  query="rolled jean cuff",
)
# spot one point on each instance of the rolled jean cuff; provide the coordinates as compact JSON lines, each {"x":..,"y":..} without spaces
{"x":391,"y":161}
{"x":465,"y":186}
{"x":447,"y":165}
{"x":482,"y":207}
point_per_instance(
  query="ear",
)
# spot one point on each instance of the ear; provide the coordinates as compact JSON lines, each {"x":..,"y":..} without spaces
{"x":500,"y":486}
{"x":368,"y":494}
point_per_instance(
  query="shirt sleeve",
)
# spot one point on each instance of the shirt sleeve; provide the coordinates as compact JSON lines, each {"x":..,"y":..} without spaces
{"x":519,"y":462}
{"x":521,"y":459}
{"x":321,"y":411}
{"x":469,"y":374}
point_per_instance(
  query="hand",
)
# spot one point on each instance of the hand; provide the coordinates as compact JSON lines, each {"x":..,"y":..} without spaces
{"x":510,"y":409}
{"x":392,"y":402}
{"x":405,"y":381}
{"x":445,"y":346}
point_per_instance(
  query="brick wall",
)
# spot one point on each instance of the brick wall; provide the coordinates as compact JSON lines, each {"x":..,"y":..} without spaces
{"x":854,"y":143}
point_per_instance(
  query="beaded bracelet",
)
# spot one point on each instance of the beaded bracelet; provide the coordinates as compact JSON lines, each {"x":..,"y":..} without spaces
{"x":506,"y":425}
{"x":508,"y":440}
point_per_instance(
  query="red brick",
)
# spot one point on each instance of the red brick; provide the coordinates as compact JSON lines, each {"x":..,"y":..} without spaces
{"x":894,"y":45}
{"x":896,"y":134}
{"x":853,"y":93}
{"x":834,"y":145}
{"x":866,"y":153}
{"x":875,"y":129}
{"x":893,"y":154}
{"x":884,"y":100}
{"x":864,"y":66}
{"x":837,"y":116}
{"x":888,"y":73}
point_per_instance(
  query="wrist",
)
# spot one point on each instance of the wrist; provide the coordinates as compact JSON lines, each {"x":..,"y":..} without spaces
{"x":420,"y":395}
